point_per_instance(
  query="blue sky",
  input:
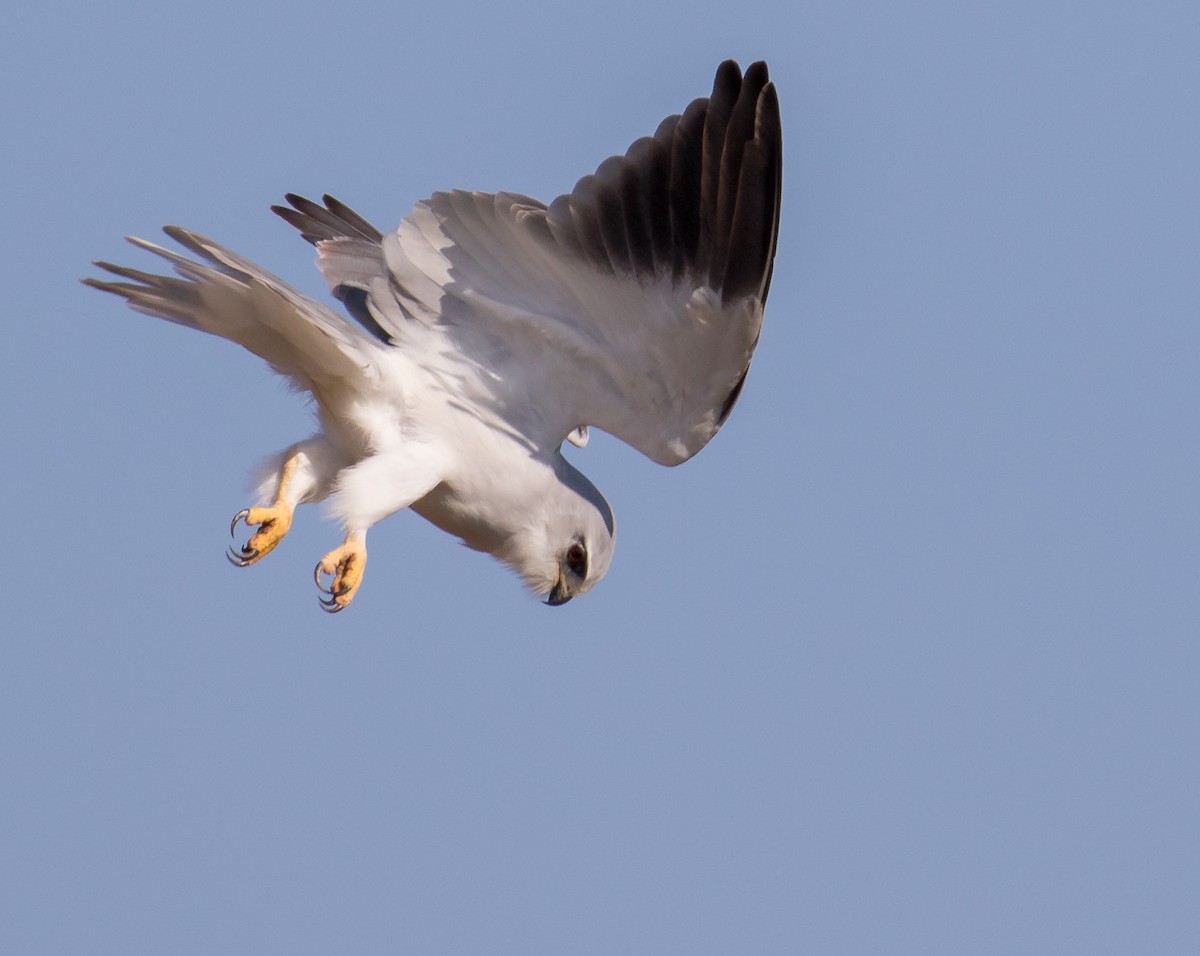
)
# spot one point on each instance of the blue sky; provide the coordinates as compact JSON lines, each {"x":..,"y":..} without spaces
{"x":905,"y":661}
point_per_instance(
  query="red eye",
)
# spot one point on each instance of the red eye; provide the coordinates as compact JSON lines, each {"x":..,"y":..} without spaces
{"x":577,"y":560}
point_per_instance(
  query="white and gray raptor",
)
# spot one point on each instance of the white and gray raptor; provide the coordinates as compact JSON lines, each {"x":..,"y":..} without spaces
{"x":489,"y":328}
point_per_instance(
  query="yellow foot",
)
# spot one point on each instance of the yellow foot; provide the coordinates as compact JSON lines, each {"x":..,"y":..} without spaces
{"x":346,"y":565}
{"x":273,"y":523}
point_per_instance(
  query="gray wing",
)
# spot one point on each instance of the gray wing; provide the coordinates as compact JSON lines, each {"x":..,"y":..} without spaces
{"x":224,"y":294}
{"x":633,"y":304}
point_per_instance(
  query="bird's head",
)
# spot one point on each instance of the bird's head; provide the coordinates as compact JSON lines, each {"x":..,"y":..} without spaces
{"x":566,"y":544}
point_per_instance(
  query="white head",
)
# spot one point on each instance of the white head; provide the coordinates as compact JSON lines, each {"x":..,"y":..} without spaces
{"x":565,"y":544}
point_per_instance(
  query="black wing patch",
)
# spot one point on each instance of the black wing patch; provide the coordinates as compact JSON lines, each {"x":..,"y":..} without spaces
{"x":731,"y":398}
{"x":355,"y":301}
{"x":334,"y":220}
{"x":698,"y":199}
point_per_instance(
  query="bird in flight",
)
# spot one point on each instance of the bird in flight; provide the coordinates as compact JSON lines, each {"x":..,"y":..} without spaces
{"x":489,"y":328}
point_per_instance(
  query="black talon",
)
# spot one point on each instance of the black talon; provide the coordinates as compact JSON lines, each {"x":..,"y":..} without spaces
{"x":242,"y":558}
{"x":317,"y":572}
{"x":244,"y":513}
{"x":330,"y":606}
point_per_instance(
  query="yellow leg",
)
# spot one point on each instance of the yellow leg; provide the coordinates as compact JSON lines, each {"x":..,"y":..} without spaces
{"x":273,"y":522}
{"x":346,"y":564}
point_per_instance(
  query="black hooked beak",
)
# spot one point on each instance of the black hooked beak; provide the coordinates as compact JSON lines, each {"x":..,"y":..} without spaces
{"x":560,"y":595}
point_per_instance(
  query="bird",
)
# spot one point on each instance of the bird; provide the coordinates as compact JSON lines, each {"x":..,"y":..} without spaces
{"x":490,"y":328}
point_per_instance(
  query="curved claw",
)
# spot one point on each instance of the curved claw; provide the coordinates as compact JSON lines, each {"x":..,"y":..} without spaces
{"x":240,"y":516}
{"x":330,"y":606}
{"x":344,"y":567}
{"x":245,"y":555}
{"x":317,"y":572}
{"x":329,"y":603}
{"x":242,"y":558}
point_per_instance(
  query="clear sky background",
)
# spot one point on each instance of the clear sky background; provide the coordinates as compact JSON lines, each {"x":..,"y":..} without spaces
{"x":906,"y":661}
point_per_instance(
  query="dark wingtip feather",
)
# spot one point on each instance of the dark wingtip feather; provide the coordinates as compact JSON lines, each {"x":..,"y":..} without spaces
{"x":729,"y":184}
{"x":612,"y":214}
{"x":769,"y":129}
{"x":588,"y":230}
{"x":700,"y":198}
{"x":687,"y":147}
{"x":747,"y":241}
{"x":727,"y":86}
{"x":727,"y":80}
{"x":757,"y":74}
{"x":334,"y":220}
{"x":745,"y":215}
{"x":355,"y":300}
{"x":293,"y":218}
{"x":352,"y":219}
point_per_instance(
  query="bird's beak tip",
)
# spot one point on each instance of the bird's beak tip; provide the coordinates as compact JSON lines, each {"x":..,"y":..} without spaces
{"x":559,"y":595}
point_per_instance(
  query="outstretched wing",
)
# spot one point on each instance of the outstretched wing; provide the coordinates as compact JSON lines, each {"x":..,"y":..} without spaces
{"x":633,"y":304}
{"x":225,"y":294}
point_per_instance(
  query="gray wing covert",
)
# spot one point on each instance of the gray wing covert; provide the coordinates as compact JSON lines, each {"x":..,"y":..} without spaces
{"x":633,"y":303}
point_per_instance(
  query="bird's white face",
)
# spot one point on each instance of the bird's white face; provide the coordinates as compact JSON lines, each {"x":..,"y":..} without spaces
{"x":587,"y":553}
{"x":567,"y":545}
